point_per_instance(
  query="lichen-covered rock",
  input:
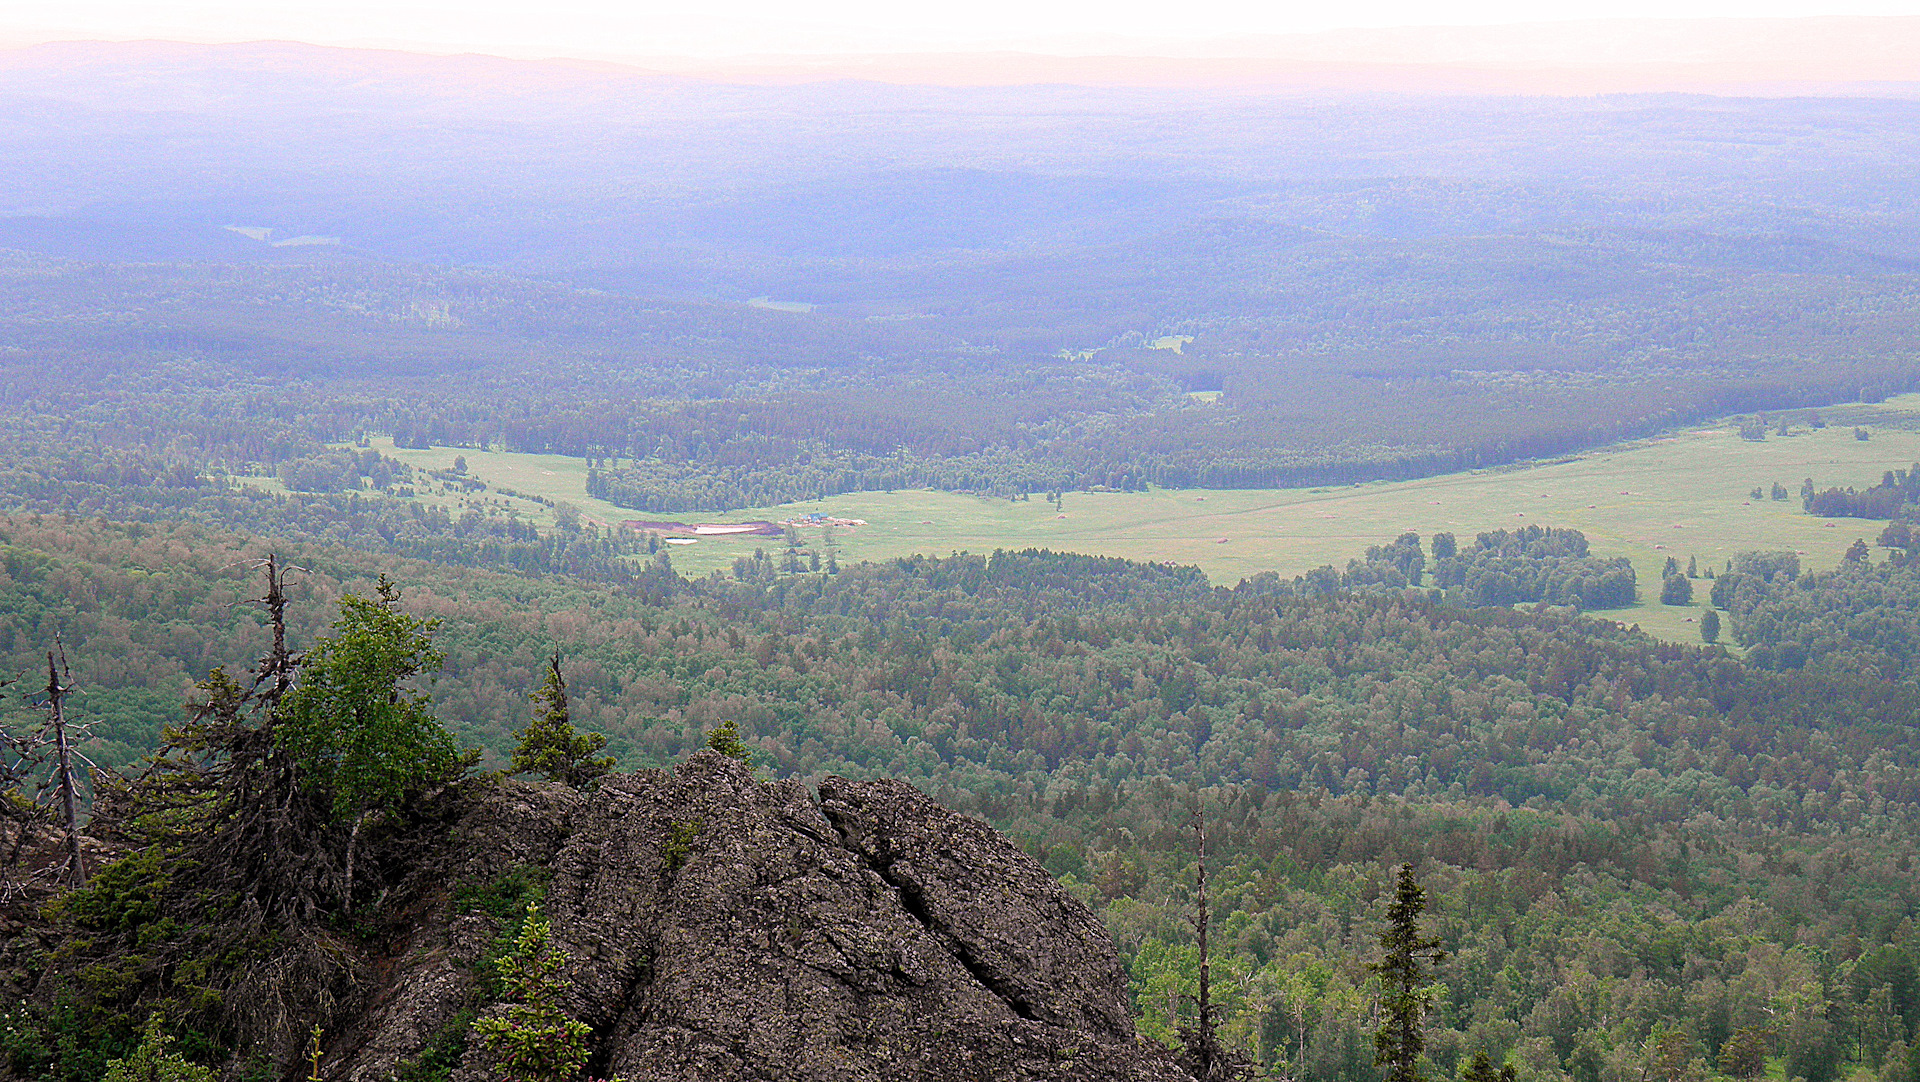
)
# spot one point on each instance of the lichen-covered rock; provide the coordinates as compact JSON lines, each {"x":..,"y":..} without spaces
{"x":724,"y":928}
{"x":998,"y":912}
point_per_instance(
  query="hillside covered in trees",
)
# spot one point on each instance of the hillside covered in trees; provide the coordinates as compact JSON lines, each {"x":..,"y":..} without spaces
{"x":1624,"y":839}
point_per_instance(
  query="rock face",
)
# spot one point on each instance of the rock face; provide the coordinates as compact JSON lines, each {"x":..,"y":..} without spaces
{"x":722,"y":928}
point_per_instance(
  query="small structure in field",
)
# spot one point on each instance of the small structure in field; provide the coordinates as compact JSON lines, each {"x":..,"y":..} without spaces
{"x":822,"y":519}
{"x":704,"y":529}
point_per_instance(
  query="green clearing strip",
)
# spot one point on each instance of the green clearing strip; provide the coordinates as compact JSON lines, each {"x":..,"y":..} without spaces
{"x":1681,"y":495}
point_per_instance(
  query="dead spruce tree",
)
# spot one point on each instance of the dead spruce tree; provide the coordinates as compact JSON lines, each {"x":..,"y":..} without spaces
{"x":59,"y":684}
{"x":1202,"y":1052}
{"x":45,"y":755}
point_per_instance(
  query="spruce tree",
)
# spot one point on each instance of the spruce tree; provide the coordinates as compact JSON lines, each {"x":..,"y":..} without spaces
{"x":550,"y":746}
{"x":1479,"y":1069}
{"x":726,"y":741}
{"x":1676,"y":590}
{"x":1744,"y":1055}
{"x":532,"y":1038}
{"x":1405,"y":969}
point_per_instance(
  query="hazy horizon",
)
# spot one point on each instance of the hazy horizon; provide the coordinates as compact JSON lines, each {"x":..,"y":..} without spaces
{"x":1821,"y":55}
{"x":1481,"y":31}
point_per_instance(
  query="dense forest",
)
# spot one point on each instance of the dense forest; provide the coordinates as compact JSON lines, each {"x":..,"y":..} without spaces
{"x":1283,"y":291}
{"x":1894,"y":497}
{"x":1624,"y":839}
{"x":1533,"y":564}
{"x":238,"y":370}
{"x":1862,"y":617}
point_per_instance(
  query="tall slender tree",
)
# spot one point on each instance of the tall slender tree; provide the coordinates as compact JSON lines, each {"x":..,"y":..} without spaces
{"x":1204,"y":1056}
{"x":1203,"y":1046}
{"x":1406,"y":966}
{"x":76,"y":869}
{"x":27,"y":755}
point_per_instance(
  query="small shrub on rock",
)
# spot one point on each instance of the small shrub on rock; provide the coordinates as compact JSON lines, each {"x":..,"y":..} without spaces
{"x":151,"y":1062}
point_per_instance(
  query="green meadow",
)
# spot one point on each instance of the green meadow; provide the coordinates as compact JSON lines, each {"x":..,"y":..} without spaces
{"x":1685,"y":495}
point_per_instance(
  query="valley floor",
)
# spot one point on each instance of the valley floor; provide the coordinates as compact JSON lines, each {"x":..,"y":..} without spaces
{"x":1685,"y":495}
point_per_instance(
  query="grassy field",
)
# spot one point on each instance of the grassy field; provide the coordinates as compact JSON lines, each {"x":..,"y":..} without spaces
{"x":553,"y":477}
{"x":1682,"y":495}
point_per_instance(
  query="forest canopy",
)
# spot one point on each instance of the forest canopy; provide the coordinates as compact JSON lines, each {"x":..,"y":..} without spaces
{"x":1542,"y":770}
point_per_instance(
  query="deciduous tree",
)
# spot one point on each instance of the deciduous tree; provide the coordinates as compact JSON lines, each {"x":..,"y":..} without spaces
{"x":364,"y":737}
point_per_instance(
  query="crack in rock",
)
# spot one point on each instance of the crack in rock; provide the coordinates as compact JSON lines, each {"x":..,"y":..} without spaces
{"x":914,"y":902}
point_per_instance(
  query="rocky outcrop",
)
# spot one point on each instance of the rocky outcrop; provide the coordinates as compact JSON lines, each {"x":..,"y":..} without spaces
{"x":725,"y":928}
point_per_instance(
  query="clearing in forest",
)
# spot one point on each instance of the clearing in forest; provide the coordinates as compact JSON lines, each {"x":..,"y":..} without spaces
{"x":1686,"y":495}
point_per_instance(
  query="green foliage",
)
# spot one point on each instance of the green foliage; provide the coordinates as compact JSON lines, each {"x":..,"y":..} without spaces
{"x":1535,"y":563}
{"x":533,"y":1040}
{"x":1676,"y":590}
{"x":550,"y":746}
{"x":67,"y":1041}
{"x":1857,"y":619}
{"x":438,"y":1060}
{"x":1405,"y":969}
{"x":1670,"y":1055}
{"x":1744,"y":1055}
{"x":1710,"y":626}
{"x":123,"y":895}
{"x":679,"y":844}
{"x":27,"y":1043}
{"x":1481,"y":1069}
{"x":152,"y":1062}
{"x":506,"y":897}
{"x":725,"y":739}
{"x":358,"y":730}
{"x":109,"y":968}
{"x":1554,"y":773}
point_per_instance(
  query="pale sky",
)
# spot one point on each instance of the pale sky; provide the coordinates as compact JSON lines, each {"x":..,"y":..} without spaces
{"x":638,"y":28}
